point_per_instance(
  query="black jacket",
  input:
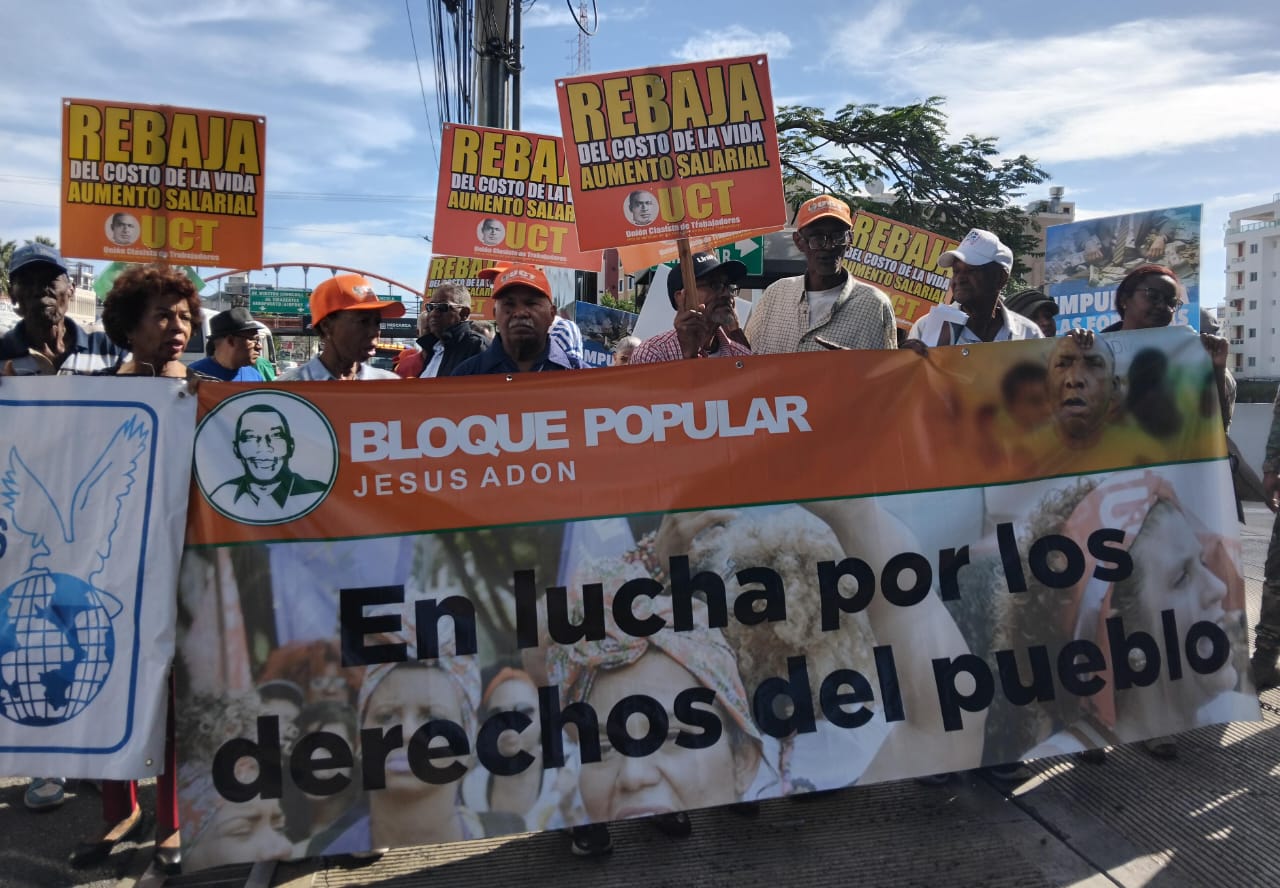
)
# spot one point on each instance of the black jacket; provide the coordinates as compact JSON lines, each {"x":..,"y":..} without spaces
{"x":461,"y":341}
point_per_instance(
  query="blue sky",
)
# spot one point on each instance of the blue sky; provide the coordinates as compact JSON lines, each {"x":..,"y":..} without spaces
{"x":1127,"y":112}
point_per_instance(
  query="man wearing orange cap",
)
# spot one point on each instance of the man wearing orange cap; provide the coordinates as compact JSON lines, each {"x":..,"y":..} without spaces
{"x":524,"y":312}
{"x":346,"y":311}
{"x":826,"y":302}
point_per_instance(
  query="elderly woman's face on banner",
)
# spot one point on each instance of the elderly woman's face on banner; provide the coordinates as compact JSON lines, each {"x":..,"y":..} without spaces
{"x":411,"y":696}
{"x":241,"y":831}
{"x":672,"y":778}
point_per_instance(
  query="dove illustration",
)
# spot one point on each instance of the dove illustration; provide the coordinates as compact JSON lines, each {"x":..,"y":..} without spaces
{"x":95,"y":505}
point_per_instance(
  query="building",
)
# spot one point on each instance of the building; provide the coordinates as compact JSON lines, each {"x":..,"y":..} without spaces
{"x":1040,"y":215}
{"x":1252,"y":315}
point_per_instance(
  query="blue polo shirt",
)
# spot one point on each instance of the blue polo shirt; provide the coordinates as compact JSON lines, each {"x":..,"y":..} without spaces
{"x":210,"y":367}
{"x":494,"y":360}
{"x":86,"y":352}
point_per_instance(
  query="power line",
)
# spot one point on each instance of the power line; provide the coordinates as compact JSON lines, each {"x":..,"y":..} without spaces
{"x":422,"y":87}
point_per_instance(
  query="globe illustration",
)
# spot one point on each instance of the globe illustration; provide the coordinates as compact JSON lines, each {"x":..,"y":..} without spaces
{"x":56,"y":647}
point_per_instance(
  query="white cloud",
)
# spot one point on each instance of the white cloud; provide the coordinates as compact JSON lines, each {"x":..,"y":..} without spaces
{"x":553,"y":14}
{"x":1138,"y":87}
{"x":735,"y":40}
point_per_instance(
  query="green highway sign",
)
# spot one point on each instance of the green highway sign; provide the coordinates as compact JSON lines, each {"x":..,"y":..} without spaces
{"x":280,"y":301}
{"x":749,"y":251}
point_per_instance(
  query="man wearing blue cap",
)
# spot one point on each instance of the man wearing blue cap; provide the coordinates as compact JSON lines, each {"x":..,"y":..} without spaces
{"x":46,"y":341}
{"x":704,"y":327}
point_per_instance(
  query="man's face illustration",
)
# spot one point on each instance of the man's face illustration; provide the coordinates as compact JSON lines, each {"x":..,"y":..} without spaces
{"x":263,"y":444}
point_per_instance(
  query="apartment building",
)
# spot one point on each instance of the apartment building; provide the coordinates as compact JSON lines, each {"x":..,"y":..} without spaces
{"x":1252,"y":314}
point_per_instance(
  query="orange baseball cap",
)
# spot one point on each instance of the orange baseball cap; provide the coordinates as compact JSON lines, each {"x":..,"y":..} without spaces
{"x":350,"y":292}
{"x":506,"y":276}
{"x":821,"y":207}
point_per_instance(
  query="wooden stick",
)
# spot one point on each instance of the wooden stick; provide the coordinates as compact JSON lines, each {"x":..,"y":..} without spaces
{"x":690,"y":282}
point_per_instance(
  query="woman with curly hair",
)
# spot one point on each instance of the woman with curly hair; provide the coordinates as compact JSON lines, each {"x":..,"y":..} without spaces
{"x":215,"y":830}
{"x":150,"y":312}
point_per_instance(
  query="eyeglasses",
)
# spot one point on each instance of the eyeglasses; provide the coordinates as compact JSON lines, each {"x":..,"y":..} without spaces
{"x":720,"y":286}
{"x":1161,"y":294}
{"x":829,"y":239}
{"x":439,"y":306}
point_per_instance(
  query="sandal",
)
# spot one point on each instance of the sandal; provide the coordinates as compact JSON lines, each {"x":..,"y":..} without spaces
{"x":88,"y":854}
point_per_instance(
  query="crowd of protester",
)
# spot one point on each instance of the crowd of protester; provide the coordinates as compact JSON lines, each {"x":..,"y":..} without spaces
{"x":148,"y":317}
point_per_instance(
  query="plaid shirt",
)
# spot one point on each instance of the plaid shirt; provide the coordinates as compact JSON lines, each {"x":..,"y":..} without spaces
{"x":666,"y":347}
{"x":862,"y":317}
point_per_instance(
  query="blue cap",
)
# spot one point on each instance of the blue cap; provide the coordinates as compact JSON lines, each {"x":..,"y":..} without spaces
{"x":29,"y":254}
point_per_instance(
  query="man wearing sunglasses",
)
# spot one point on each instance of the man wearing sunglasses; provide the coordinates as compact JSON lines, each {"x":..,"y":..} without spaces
{"x":448,"y":338}
{"x":826,"y":307}
{"x":233,"y":348}
{"x":704,"y":326}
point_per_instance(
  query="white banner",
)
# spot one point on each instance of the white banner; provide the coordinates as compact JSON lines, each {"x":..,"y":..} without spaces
{"x":94,"y":475}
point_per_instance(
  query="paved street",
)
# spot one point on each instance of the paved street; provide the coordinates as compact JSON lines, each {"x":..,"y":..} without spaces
{"x":1204,"y":819}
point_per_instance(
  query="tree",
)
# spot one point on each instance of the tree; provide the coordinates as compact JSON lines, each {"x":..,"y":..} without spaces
{"x":6,"y":256}
{"x":947,"y":187}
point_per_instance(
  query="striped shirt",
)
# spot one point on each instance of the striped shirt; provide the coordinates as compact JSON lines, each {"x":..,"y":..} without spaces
{"x":862,"y":317}
{"x":87,"y":353}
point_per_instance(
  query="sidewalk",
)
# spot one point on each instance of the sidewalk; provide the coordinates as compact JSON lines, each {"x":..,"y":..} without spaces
{"x":1205,"y":818}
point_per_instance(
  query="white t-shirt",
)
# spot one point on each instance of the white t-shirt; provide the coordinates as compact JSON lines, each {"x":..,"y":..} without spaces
{"x":821,"y":302}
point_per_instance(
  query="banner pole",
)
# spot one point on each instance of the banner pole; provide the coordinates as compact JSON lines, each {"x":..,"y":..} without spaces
{"x":689,"y":281}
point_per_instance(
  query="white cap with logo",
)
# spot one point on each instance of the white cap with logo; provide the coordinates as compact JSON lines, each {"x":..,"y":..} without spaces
{"x":979,"y":248}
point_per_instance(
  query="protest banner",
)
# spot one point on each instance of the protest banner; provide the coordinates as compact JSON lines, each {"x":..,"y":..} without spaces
{"x":902,"y":260}
{"x":93,"y":492}
{"x":505,"y":196}
{"x":157,"y":183}
{"x":602,"y":327}
{"x":463,"y":271}
{"x":457,"y":603}
{"x":658,"y":154}
{"x":1085,"y":261}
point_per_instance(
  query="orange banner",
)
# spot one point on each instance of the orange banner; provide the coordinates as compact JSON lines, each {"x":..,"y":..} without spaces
{"x":338,"y":460}
{"x":676,"y":151}
{"x":641,"y":256}
{"x":505,"y":196}
{"x":147,"y":183}
{"x":463,"y":271}
{"x":902,"y":260}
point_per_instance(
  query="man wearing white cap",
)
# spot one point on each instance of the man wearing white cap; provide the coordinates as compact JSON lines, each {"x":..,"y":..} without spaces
{"x":980,"y":268}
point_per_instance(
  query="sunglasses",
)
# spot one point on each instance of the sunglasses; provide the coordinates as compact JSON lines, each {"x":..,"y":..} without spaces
{"x":440,"y":306}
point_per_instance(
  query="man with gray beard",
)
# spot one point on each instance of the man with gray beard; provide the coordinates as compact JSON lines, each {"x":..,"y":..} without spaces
{"x":706,"y":327}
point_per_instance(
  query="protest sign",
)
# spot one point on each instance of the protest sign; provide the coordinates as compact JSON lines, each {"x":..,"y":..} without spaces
{"x":902,"y":260}
{"x":93,"y":491}
{"x":443,"y":594}
{"x":602,"y":327}
{"x":148,"y":183}
{"x":1085,"y":261}
{"x":505,"y":196}
{"x":663,"y":153}
{"x":464,"y":272}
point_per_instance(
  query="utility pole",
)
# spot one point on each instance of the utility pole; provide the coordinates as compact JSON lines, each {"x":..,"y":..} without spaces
{"x":493,"y":56}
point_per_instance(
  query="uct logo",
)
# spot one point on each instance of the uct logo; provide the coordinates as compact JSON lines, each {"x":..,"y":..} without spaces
{"x":265,"y":457}
{"x":57,"y":643}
